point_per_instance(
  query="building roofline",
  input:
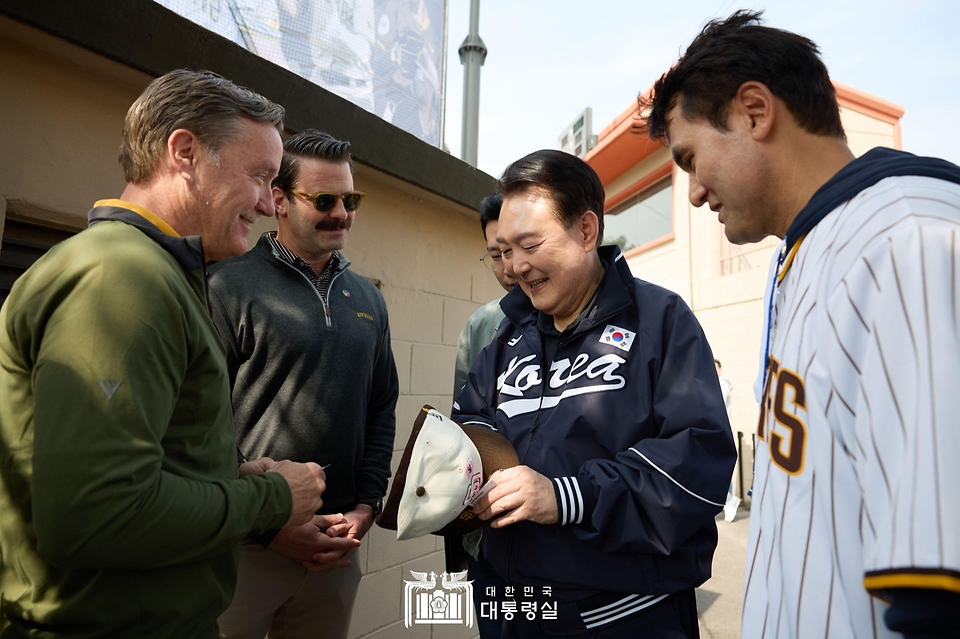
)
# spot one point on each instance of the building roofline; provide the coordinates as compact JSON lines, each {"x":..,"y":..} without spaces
{"x":624,"y":143}
{"x":621,"y":144}
{"x":868,"y":104}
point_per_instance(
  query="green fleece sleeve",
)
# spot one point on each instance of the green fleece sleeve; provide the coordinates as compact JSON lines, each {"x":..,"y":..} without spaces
{"x":127,"y":470}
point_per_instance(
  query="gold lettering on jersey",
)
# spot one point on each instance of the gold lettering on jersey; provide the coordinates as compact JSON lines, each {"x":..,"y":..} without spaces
{"x":788,"y":442}
{"x":772,"y":367}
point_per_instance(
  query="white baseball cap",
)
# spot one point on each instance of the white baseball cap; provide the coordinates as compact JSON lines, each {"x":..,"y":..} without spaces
{"x":442,"y":470}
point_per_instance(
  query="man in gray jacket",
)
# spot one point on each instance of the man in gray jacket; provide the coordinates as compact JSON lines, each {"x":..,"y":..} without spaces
{"x":313,"y":378}
{"x":482,"y":325}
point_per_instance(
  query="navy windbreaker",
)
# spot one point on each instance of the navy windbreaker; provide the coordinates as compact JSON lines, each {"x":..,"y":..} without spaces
{"x":630,"y":426}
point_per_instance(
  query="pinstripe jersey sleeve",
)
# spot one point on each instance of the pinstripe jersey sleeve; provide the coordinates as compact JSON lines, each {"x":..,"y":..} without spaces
{"x":892,"y":349}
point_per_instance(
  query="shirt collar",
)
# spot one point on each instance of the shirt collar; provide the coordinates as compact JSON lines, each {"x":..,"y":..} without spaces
{"x":188,"y":251}
{"x":142,"y":211}
{"x":287,"y":255}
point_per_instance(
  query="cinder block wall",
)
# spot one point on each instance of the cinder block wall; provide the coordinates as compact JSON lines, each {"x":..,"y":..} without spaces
{"x":427,"y":259}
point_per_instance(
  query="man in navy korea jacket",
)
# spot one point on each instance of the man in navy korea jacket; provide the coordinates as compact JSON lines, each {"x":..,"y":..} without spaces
{"x":606,"y":386}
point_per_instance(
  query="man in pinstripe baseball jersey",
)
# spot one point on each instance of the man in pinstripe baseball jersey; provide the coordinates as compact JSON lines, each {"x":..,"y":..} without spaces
{"x":854,"y":532}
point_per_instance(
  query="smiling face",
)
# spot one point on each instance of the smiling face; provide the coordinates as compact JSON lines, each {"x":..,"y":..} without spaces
{"x":233,"y":188}
{"x":493,"y":249}
{"x":313,"y":235}
{"x":557,"y":268}
{"x":728,"y":171}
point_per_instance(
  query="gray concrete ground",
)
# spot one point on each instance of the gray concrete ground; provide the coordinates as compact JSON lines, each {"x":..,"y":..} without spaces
{"x":720,"y":599}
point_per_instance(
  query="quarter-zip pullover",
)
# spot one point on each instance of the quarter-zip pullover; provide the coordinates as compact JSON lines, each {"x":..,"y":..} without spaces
{"x":342,"y":417}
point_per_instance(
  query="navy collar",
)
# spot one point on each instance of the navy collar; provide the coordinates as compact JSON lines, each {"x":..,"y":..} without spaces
{"x":859,"y":175}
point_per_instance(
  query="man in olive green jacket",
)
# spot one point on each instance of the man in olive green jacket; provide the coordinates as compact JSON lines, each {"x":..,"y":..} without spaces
{"x":121,"y":504}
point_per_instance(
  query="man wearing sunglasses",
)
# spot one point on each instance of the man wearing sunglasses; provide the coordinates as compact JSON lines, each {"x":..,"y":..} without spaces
{"x":309,"y":357}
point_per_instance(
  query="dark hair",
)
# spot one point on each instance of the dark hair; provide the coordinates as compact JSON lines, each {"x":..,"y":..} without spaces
{"x":728,"y":53}
{"x":310,"y":144}
{"x":572,"y":185}
{"x":717,"y":362}
{"x":204,"y":103}
{"x":490,"y":211}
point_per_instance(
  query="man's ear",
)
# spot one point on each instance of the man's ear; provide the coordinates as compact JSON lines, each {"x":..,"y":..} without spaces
{"x":183,"y":152}
{"x":754,"y":102}
{"x":279,"y":201}
{"x":589,"y":227}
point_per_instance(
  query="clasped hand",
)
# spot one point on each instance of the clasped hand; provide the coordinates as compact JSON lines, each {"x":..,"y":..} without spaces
{"x":312,"y":545}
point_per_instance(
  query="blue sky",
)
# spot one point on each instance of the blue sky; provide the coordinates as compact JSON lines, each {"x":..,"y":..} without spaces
{"x":548,"y":60}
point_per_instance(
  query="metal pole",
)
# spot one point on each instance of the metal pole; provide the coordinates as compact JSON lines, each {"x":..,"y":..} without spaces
{"x":441,"y":143}
{"x":472,"y":55}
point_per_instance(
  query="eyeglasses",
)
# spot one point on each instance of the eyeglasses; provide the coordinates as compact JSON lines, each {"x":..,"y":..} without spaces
{"x":492,"y":260}
{"x":324,"y":202}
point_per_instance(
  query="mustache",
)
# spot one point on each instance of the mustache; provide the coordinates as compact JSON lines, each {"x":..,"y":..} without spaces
{"x":334,"y":225}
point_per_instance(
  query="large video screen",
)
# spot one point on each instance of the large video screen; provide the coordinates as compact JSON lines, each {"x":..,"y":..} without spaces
{"x":383,"y":55}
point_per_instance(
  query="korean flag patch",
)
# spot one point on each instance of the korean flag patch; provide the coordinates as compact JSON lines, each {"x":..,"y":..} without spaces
{"x":619,"y":337}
